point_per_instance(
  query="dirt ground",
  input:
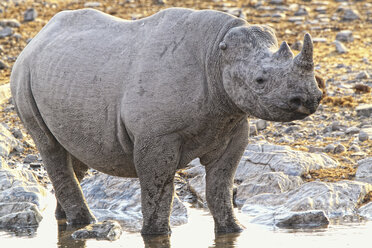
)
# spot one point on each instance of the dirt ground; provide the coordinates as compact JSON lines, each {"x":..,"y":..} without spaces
{"x":324,"y":19}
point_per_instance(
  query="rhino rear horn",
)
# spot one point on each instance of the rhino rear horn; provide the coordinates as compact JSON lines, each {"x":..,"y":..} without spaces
{"x":284,"y":51}
{"x":304,"y":59}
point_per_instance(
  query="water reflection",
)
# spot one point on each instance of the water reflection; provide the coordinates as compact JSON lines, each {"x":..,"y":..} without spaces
{"x":226,"y":240}
{"x":152,"y":241}
{"x":65,"y":240}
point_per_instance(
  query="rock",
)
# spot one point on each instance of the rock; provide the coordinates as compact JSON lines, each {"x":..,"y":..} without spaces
{"x":109,"y":230}
{"x":195,"y":171}
{"x":339,"y":149}
{"x":366,"y":211}
{"x":4,"y":89}
{"x":363,"y":136}
{"x":5,"y":32}
{"x":92,"y":5}
{"x":345,"y":36}
{"x":261,"y":158}
{"x":364,"y":170}
{"x":119,"y":199}
{"x":335,"y":199}
{"x":29,"y":15}
{"x":306,"y":219}
{"x":269,"y":182}
{"x":364,"y":110}
{"x":10,"y":23}
{"x":362,"y":75}
{"x":22,"y":219}
{"x":21,"y":198}
{"x":352,"y":130}
{"x":197,"y":186}
{"x":350,"y":15}
{"x":30,"y":158}
{"x":7,"y":141}
{"x":340,"y":48}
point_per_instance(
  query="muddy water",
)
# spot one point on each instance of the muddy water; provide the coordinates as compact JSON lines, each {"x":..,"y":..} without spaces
{"x":198,"y":233}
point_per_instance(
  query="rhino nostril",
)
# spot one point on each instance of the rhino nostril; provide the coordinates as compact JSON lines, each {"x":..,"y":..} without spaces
{"x":295,"y":102}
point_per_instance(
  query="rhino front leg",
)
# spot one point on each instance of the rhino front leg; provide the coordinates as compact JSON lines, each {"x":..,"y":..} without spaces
{"x":220,"y":179}
{"x":156,"y":160}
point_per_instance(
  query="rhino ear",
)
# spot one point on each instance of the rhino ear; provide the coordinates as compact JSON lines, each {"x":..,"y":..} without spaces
{"x":304,"y":59}
{"x":222,"y":45}
{"x":284,"y":52}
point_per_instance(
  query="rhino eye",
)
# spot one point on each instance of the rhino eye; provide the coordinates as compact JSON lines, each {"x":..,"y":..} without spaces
{"x":260,"y":80}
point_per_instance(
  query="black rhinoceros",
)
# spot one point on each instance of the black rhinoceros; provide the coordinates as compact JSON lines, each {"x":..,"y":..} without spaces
{"x":143,"y":98}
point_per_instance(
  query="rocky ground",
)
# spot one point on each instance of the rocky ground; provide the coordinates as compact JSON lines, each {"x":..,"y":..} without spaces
{"x":341,"y":128}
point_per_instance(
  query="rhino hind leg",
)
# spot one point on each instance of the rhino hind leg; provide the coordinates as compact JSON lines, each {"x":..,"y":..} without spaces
{"x":79,"y":169}
{"x":70,"y":198}
{"x":58,"y":162}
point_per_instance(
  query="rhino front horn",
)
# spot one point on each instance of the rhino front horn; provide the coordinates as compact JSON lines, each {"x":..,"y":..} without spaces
{"x":305,"y":58}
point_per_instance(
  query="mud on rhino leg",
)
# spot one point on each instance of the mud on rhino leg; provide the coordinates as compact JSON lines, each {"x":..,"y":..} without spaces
{"x":79,"y":169}
{"x":156,"y":160}
{"x":220,"y":179}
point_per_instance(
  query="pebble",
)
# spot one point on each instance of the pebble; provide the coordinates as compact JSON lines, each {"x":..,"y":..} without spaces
{"x":261,"y":124}
{"x":10,"y":23}
{"x":30,"y":15}
{"x":352,"y":130}
{"x":339,"y":149}
{"x":5,"y":32}
{"x":319,"y":40}
{"x":35,"y":165}
{"x":362,"y":75}
{"x":321,"y":9}
{"x":302,"y":11}
{"x":363,"y":136}
{"x":17,"y":36}
{"x":345,"y":36}
{"x":297,"y":46}
{"x":3,"y":65}
{"x":276,"y":1}
{"x":296,"y":19}
{"x":17,"y":133}
{"x":350,"y":15}
{"x":92,"y":4}
{"x":30,"y":158}
{"x":340,"y":48}
{"x":329,"y":148}
{"x":354,"y":148}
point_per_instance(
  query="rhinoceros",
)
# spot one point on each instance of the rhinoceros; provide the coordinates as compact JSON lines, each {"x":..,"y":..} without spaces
{"x":143,"y":98}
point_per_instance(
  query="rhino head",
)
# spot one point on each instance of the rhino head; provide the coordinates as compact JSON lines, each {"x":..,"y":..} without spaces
{"x":266,"y":81}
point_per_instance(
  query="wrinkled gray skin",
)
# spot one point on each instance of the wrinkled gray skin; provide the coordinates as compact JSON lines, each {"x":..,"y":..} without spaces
{"x":143,"y":98}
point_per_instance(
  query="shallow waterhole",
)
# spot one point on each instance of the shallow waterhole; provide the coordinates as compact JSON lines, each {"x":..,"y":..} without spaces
{"x":198,"y":232}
